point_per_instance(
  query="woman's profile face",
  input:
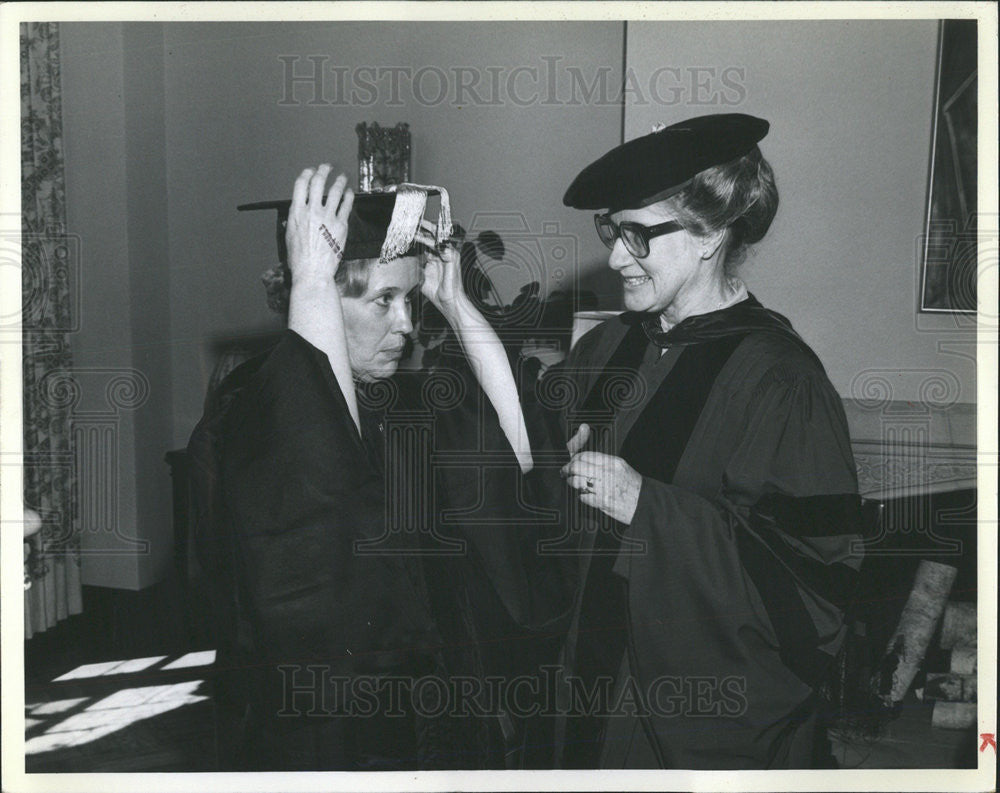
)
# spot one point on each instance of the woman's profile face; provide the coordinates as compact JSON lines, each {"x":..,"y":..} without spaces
{"x":377,"y":322}
{"x":672,"y":273}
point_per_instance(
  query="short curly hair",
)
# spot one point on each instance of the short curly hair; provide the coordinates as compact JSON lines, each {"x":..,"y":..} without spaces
{"x":739,"y":197}
{"x":351,"y":278}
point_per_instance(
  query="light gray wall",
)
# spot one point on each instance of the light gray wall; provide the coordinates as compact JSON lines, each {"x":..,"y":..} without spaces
{"x":168,"y":127}
{"x":112,"y":80}
{"x":850,"y":107}
{"x":230,"y":141}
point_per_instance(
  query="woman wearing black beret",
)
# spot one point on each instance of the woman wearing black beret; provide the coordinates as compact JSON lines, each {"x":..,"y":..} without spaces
{"x":712,"y":455}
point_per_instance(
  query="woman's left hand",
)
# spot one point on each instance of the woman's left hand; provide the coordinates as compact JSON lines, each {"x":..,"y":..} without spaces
{"x":442,"y":283}
{"x":605,"y":482}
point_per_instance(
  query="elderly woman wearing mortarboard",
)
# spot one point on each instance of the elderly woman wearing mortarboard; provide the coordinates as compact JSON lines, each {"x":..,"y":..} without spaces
{"x":716,"y":603}
{"x":330,"y":613}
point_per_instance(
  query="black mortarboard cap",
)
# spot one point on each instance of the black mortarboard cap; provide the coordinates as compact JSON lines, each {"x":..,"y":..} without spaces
{"x":366,"y":226}
{"x":654,"y":167}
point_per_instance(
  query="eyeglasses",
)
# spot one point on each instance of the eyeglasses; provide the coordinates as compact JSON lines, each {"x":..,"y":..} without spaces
{"x":635,"y":236}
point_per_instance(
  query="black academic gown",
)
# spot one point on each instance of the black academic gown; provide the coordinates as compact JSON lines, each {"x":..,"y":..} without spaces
{"x":332,"y":566}
{"x":715,"y":614}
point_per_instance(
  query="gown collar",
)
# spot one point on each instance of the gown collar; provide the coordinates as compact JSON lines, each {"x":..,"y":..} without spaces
{"x":740,"y":318}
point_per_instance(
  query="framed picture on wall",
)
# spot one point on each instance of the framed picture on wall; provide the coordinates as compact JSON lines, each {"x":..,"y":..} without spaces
{"x":948,"y":282}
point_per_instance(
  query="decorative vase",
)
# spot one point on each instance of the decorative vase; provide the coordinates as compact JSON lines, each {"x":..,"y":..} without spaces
{"x":383,"y":156}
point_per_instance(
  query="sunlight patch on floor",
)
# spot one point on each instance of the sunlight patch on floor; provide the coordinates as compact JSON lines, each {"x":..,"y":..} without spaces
{"x":110,"y":668}
{"x":113,"y":713}
{"x":55,"y":706}
{"x":201,"y":658}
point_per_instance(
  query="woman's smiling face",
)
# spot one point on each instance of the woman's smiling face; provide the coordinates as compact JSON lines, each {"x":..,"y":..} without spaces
{"x":671,"y":272}
{"x":377,"y":322}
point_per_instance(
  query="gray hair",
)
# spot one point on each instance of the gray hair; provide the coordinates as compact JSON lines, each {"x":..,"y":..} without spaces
{"x":738,"y":197}
{"x":351,"y":279}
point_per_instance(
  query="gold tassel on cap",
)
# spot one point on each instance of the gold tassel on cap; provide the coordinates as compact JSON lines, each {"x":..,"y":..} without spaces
{"x":408,"y":211}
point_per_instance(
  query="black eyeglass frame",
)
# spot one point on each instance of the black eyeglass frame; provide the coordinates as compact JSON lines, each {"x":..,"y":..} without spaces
{"x":643,"y":233}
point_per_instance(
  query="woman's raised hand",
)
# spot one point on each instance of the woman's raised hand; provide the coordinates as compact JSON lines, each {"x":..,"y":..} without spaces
{"x":316,"y":232}
{"x":442,"y":283}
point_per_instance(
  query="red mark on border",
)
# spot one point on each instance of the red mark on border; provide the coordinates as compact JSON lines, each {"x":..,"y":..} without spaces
{"x":989,"y":739}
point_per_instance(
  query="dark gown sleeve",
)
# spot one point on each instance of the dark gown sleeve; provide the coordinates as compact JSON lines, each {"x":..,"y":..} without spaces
{"x":300,"y":493}
{"x":297,"y":492}
{"x":502,"y":590}
{"x":502,"y":516}
{"x":798,"y":516}
{"x":756,"y":576}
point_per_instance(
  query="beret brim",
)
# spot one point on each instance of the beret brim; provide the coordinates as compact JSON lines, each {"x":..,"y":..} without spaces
{"x":653,"y":167}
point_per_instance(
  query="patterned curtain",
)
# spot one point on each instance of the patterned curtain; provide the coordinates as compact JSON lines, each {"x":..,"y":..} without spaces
{"x":52,"y":566}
